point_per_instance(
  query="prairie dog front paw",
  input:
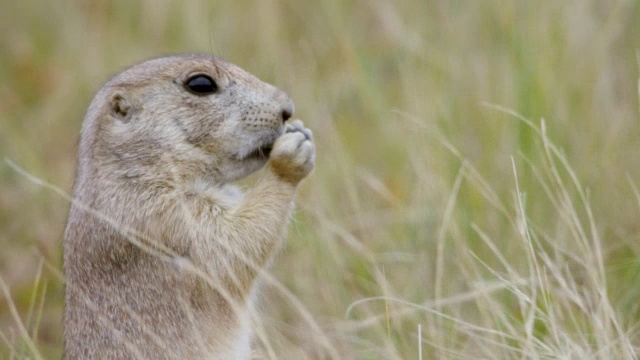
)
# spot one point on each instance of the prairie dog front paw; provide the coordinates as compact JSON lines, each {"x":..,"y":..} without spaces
{"x":294,"y":153}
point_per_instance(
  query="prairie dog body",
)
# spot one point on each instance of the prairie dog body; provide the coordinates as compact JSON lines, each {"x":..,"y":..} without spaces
{"x":161,"y":253}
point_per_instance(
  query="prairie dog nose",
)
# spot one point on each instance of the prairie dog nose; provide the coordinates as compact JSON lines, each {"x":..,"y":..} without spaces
{"x":287,"y":108}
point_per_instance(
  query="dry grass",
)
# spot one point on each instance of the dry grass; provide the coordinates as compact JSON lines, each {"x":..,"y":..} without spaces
{"x":442,"y":204}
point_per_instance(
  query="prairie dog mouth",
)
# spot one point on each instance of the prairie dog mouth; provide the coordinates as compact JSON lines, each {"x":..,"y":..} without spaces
{"x":262,"y":152}
{"x":263,"y":146}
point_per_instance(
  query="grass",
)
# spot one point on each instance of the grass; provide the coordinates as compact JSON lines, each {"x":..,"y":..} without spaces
{"x":476,"y":194}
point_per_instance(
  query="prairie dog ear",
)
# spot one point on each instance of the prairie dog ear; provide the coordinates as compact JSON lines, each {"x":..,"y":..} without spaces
{"x":122,"y":106}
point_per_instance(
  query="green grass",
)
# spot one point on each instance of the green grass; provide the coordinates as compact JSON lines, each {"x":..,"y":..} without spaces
{"x":477,"y":173}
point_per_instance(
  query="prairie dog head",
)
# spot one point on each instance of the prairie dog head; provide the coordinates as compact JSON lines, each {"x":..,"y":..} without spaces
{"x":186,"y":116}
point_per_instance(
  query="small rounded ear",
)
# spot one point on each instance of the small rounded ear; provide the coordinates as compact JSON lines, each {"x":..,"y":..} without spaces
{"x":121,"y":107}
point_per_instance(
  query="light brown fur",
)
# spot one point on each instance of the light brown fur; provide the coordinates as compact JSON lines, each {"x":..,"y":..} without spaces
{"x":161,"y":253}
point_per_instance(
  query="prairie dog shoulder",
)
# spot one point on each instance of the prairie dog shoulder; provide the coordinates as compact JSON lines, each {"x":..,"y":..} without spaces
{"x":161,"y":252}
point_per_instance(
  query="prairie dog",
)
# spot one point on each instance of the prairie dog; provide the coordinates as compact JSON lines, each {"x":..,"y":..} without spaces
{"x":161,"y":253}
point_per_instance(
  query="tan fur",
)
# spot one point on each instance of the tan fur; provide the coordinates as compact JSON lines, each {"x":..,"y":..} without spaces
{"x":161,"y":253}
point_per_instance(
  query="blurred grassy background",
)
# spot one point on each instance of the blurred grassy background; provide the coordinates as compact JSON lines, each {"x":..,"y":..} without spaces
{"x":415,"y":208}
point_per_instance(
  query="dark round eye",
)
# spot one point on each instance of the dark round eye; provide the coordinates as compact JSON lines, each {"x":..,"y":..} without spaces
{"x":201,"y":85}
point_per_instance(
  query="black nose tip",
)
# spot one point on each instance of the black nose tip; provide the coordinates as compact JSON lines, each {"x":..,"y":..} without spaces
{"x":286,"y":115}
{"x":286,"y":105}
{"x":287,"y":110}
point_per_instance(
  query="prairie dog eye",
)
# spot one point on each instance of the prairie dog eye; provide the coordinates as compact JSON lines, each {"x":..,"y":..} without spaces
{"x":201,"y":85}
